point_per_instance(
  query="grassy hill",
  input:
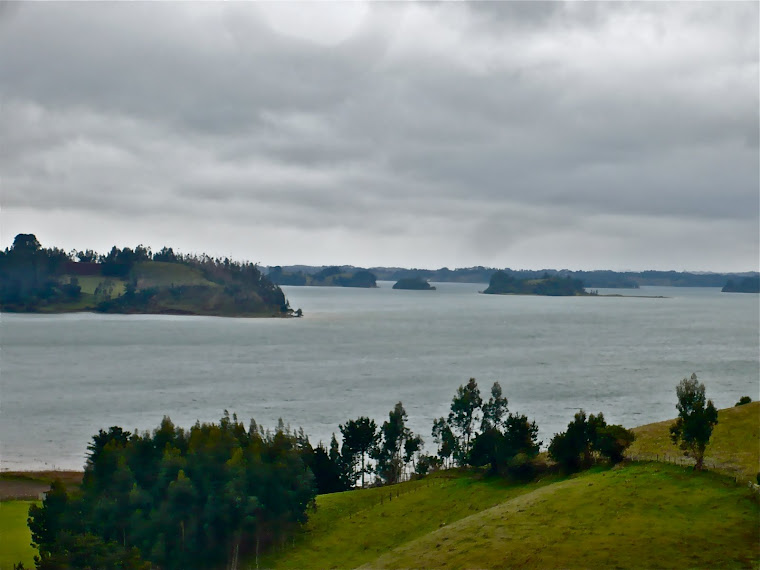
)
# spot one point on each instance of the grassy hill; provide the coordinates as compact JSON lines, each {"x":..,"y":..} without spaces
{"x":734,"y":448}
{"x":352,"y":528}
{"x":645,"y":515}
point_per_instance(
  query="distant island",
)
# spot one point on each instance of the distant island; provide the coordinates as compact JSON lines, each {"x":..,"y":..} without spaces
{"x":746,"y":285}
{"x":39,"y":280}
{"x":332,"y":276}
{"x":414,"y":284}
{"x":502,"y":283}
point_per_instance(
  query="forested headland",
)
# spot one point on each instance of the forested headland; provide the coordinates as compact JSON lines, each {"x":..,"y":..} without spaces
{"x":37,"y":279}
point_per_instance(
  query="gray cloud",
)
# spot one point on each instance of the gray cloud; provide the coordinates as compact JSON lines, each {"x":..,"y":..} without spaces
{"x":524,"y":134}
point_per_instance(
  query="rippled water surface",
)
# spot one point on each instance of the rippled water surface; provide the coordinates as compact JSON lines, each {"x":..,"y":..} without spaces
{"x":358,"y":352}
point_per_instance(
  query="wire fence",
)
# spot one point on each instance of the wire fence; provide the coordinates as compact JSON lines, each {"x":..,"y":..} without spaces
{"x":685,"y":461}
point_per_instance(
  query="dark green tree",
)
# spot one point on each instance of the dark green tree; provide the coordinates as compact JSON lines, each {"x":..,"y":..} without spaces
{"x":185,"y":499}
{"x":499,"y":447}
{"x":612,"y":441}
{"x":697,"y":417}
{"x":495,"y":409}
{"x":445,"y":439}
{"x":586,"y":438}
{"x":359,"y":438}
{"x":387,"y":452}
{"x":464,"y":417}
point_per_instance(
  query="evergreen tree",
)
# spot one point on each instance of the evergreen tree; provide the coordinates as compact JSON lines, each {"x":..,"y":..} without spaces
{"x":359,"y":437}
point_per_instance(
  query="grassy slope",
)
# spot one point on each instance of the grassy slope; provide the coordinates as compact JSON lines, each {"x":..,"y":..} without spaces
{"x":15,"y":538}
{"x":646,"y":515}
{"x":163,"y":274}
{"x":353,"y":528}
{"x":734,"y":448}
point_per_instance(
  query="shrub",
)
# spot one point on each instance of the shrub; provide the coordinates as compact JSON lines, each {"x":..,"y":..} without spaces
{"x":743,"y":400}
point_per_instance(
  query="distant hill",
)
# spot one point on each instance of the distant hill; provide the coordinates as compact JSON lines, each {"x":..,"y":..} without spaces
{"x":745,"y":285}
{"x":597,"y":279}
{"x":35,"y":279}
{"x":414,"y":284}
{"x":555,"y":286}
{"x":325,"y":277}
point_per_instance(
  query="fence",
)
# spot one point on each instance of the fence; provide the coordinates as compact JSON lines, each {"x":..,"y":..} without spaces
{"x":689,"y":462}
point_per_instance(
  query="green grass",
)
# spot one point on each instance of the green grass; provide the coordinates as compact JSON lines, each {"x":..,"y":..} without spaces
{"x":15,"y":538}
{"x":353,"y":528}
{"x":89,"y":283}
{"x":734,"y":447}
{"x":163,"y":274}
{"x":646,"y":515}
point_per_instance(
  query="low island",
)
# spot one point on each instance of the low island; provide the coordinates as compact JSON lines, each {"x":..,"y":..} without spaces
{"x":34,"y":279}
{"x":746,"y":285}
{"x":413,"y":284}
{"x":502,"y":283}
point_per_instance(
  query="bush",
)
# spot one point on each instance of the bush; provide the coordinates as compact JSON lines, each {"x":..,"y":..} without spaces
{"x":743,"y":400}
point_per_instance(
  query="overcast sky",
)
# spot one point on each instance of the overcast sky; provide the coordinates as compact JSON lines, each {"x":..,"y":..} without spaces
{"x":513,"y":134}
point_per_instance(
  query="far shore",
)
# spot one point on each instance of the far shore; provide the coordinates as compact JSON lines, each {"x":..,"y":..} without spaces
{"x":29,"y":485}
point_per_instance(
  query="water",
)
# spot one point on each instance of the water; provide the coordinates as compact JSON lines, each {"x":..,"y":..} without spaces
{"x":358,"y":352}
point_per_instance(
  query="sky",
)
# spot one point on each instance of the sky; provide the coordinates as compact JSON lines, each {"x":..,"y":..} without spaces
{"x":527,"y":135}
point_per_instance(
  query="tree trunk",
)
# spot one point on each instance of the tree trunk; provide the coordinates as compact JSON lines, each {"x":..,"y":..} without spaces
{"x":257,"y":548}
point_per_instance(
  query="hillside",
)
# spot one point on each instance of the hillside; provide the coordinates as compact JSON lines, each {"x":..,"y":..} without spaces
{"x":733,"y":448}
{"x":648,"y":515}
{"x":644,"y":514}
{"x":35,"y":279}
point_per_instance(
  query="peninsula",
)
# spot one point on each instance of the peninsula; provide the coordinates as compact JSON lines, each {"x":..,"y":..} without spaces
{"x":39,"y":280}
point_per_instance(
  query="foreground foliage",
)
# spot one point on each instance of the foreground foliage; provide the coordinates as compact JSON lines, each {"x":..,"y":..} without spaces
{"x":588,"y":437}
{"x":195,"y":499}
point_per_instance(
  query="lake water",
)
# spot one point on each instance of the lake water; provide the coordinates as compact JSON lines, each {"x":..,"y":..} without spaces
{"x":358,"y":352}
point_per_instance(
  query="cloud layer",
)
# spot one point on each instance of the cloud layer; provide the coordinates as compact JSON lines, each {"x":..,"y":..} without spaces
{"x":579,"y":135}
